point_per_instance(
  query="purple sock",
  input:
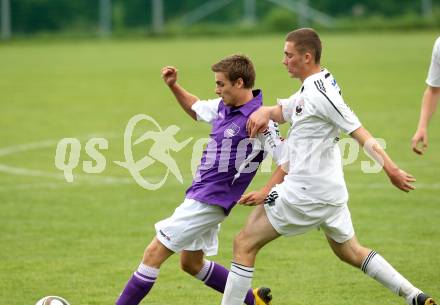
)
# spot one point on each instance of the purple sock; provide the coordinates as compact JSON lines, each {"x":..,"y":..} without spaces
{"x":215,"y":276}
{"x":138,"y":286}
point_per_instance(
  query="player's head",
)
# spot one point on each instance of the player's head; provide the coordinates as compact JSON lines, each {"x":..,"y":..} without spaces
{"x":302,"y":51}
{"x":234,"y":75}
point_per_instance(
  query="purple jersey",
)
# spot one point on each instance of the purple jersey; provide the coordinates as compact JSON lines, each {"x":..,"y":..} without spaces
{"x":230,"y":159}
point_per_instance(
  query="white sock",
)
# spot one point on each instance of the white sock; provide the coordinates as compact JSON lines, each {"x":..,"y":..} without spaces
{"x":206,"y":270}
{"x":380,"y":270}
{"x":147,"y":271}
{"x":238,"y":283}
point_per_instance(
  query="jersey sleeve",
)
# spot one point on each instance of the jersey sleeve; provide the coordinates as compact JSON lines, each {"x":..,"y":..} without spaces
{"x":433,"y":78}
{"x":332,"y":108}
{"x":287,"y":107}
{"x":271,"y":142}
{"x":206,"y":111}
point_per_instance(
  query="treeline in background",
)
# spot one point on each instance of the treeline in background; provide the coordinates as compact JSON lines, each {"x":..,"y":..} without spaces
{"x":153,"y":17}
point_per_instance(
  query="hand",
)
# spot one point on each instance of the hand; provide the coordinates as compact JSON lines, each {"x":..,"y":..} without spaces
{"x":419,"y":136}
{"x":253,"y":198}
{"x":169,"y":75}
{"x":258,"y":121}
{"x":402,"y":180}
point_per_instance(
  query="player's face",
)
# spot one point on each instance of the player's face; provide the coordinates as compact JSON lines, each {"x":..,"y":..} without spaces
{"x":227,"y":90}
{"x":293,"y":60}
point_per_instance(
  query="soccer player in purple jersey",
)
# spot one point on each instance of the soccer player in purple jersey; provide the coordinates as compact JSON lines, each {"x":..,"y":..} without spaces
{"x":227,"y":167}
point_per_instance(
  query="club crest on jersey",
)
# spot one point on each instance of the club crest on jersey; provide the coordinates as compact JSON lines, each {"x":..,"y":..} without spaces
{"x":231,"y":131}
{"x":299,"y":107}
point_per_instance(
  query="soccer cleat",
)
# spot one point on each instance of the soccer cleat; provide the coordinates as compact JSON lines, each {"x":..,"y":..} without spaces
{"x":423,"y":299}
{"x":262,"y":295}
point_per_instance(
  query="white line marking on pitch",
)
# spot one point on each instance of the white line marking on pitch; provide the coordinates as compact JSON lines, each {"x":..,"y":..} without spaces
{"x":36,"y":173}
{"x":11,"y":150}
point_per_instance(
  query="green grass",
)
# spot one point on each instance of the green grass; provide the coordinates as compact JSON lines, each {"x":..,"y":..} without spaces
{"x":83,"y":240}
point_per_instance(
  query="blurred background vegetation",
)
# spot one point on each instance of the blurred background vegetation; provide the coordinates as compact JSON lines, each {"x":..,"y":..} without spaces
{"x":122,"y":18}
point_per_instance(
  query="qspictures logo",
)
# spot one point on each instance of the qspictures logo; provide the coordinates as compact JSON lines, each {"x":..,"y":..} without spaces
{"x":164,"y":145}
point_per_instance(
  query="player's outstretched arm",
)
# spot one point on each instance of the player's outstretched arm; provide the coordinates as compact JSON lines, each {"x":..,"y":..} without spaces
{"x":429,"y":104}
{"x":398,"y":177}
{"x":185,"y":99}
{"x":259,"y":120}
{"x":258,"y":197}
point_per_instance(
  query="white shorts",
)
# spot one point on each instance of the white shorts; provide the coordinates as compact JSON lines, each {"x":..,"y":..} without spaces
{"x":289,"y":219}
{"x":193,"y":226}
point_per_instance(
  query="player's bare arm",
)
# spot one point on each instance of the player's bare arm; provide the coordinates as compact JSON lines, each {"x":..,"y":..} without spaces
{"x":259,"y":120}
{"x":258,"y":197}
{"x":429,"y":104}
{"x":185,"y":99}
{"x":398,"y":177}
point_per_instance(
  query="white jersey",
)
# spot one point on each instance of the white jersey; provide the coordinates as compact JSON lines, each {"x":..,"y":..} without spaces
{"x":433,"y":79}
{"x":316,"y":113}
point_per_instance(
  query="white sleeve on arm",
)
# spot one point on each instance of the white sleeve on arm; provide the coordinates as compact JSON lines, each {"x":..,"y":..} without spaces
{"x":206,"y":111}
{"x":331,"y":107}
{"x":271,"y":142}
{"x":287,"y":107}
{"x":433,"y":79}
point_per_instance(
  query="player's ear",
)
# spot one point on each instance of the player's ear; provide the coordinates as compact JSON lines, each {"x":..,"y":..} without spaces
{"x":239,"y":83}
{"x":308,"y":58}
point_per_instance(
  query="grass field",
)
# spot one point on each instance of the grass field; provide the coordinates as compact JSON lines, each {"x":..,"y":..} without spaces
{"x":82,"y":240}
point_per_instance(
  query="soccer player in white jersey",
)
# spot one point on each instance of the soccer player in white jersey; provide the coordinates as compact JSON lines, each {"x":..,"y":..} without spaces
{"x":228,"y":164}
{"x":309,"y":191}
{"x":429,"y":102}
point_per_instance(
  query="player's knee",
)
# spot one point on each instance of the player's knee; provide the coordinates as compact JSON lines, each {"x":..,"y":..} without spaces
{"x":238,"y":242}
{"x":243,"y":244}
{"x":191,"y":267}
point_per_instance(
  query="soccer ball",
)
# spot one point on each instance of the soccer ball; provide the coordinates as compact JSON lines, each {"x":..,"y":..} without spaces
{"x":52,"y":300}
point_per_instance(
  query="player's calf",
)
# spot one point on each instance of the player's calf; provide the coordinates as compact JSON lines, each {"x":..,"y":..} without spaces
{"x":191,"y":262}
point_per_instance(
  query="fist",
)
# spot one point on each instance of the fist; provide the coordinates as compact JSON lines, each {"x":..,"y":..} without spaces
{"x":169,"y":75}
